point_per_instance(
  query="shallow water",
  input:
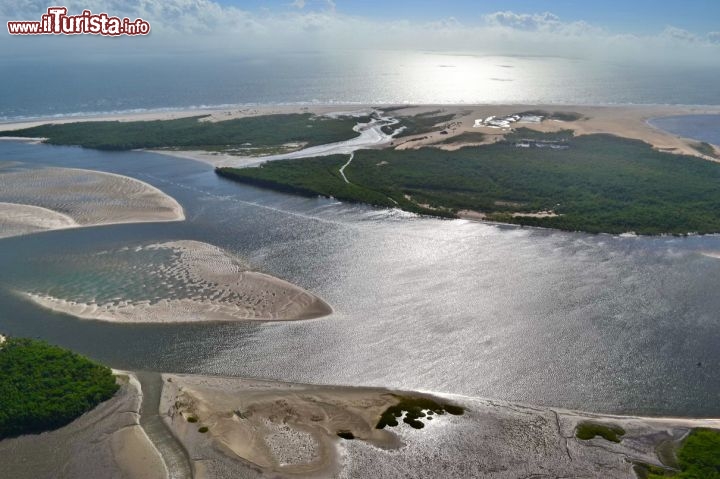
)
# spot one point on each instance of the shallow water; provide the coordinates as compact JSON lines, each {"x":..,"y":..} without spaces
{"x":596,"y":323}
{"x":699,"y":127}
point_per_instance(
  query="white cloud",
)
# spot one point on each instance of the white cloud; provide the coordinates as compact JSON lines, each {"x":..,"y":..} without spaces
{"x":679,"y":34}
{"x":204,"y":25}
{"x":713,"y":37}
{"x":523,"y":21}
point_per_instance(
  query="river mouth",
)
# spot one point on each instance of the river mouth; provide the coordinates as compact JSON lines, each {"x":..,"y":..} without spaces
{"x":597,"y":323}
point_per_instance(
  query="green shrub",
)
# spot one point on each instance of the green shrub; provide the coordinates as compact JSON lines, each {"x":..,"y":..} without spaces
{"x":415,"y":408}
{"x":44,"y":387}
{"x":589,"y":430}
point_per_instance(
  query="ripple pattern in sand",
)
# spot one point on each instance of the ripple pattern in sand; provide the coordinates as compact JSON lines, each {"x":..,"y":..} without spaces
{"x":18,"y":220}
{"x":181,"y":281}
{"x":89,"y":197}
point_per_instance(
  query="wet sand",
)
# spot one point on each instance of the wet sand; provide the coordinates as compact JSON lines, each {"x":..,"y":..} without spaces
{"x":16,"y":219}
{"x":270,"y":426}
{"x":56,"y":198}
{"x":183,"y":281}
{"x":290,"y":430}
{"x":106,"y":442}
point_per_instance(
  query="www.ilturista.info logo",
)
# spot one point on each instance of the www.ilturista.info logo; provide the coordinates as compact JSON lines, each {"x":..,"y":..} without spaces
{"x":58,"y":22}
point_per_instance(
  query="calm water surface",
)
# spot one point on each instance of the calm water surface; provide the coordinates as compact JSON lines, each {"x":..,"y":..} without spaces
{"x":132,"y":82}
{"x":597,"y":323}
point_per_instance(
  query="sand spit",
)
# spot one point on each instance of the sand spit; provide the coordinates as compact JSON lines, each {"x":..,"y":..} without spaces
{"x":106,"y":442}
{"x":18,"y":220}
{"x":174,"y":282}
{"x":268,"y":426}
{"x":263,"y":428}
{"x":54,"y":198}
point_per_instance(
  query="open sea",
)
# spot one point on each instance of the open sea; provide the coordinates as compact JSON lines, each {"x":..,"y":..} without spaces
{"x":32,"y":87}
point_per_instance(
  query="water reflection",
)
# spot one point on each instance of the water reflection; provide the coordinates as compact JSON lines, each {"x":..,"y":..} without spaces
{"x":591,"y":322}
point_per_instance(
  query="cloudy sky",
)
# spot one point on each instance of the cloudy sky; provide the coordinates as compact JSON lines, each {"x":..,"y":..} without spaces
{"x":647,"y":30}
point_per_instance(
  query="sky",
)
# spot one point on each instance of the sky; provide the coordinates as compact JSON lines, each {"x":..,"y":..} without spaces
{"x":616,"y":15}
{"x":632,"y":30}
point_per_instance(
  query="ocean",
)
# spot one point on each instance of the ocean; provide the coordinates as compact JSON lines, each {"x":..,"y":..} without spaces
{"x":45,"y":87}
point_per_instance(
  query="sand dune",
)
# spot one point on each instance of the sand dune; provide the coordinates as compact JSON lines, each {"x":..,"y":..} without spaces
{"x":181,"y":281}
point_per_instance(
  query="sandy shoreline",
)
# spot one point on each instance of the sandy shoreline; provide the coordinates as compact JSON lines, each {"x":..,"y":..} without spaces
{"x":106,"y":442}
{"x":257,"y":427}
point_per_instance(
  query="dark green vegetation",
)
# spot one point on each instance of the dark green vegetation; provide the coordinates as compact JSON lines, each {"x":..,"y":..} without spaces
{"x":418,"y":124}
{"x":697,"y":458}
{"x":466,"y":137}
{"x":600,"y":183}
{"x":44,"y":387}
{"x":203,"y":430}
{"x":347,"y":435}
{"x":415,"y":409}
{"x":589,"y":430}
{"x":263,"y":131}
{"x":192,"y":419}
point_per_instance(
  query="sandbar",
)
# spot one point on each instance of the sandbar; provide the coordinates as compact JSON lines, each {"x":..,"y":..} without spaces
{"x":19,"y":219}
{"x":179,"y":282}
{"x":44,"y":199}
